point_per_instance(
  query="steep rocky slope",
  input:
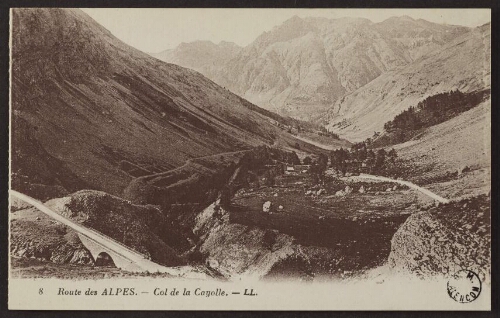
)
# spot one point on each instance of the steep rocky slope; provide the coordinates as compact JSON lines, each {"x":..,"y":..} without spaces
{"x":452,"y":159}
{"x":237,"y":250}
{"x":461,"y":64}
{"x":445,"y":239}
{"x":35,"y":235}
{"x":89,"y":111}
{"x":304,"y":65}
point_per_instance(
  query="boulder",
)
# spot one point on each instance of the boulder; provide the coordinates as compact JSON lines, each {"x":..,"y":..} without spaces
{"x":362,"y":189}
{"x":212,"y":263}
{"x":388,"y":190}
{"x":340,"y":193}
{"x":266,"y":207}
{"x":463,"y":169}
{"x":348,"y":189}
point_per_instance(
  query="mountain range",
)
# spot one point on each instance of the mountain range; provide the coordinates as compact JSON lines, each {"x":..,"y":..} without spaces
{"x":304,"y":66}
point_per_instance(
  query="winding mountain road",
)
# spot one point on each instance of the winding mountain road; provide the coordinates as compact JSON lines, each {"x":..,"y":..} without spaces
{"x":406,"y":183}
{"x":380,"y":178}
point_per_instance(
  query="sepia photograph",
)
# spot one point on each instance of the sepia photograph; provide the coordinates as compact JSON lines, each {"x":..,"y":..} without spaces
{"x":262,"y":159}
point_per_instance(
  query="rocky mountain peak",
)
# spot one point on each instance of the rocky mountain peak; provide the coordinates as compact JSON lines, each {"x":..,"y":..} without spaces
{"x":303,"y":66}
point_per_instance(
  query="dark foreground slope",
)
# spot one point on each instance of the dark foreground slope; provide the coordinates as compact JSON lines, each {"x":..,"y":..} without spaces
{"x":89,"y":111}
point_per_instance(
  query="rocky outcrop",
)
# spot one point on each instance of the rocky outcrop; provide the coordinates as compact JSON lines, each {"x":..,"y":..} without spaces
{"x":236,"y":250}
{"x":142,"y":228}
{"x":444,"y":239}
{"x":35,"y":235}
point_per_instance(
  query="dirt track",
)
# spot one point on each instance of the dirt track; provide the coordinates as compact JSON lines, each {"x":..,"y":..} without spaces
{"x":408,"y":184}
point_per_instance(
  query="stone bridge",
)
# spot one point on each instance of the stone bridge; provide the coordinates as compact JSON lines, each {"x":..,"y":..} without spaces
{"x":99,"y":244}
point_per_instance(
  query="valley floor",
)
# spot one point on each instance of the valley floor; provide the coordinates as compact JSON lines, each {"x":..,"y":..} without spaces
{"x":339,"y":228}
{"x":336,"y":235}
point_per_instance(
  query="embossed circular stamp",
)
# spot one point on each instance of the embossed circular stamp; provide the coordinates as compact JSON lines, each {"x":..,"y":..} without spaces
{"x":464,"y":286}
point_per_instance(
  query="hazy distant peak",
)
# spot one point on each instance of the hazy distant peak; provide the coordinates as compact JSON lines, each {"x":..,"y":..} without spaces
{"x":321,"y":22}
{"x":183,"y":47}
{"x":407,"y":18}
{"x":353,"y":20}
{"x":290,"y":29}
{"x":294,"y":22}
{"x":400,"y":18}
{"x":294,"y":19}
{"x":317,"y":19}
{"x":197,"y":43}
{"x":228,"y":44}
{"x":485,"y":27}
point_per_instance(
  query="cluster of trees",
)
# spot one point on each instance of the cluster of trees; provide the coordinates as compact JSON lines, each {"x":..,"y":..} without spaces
{"x":431,"y":111}
{"x":356,"y":159}
{"x":292,"y":158}
{"x":297,"y":129}
{"x":318,"y":167}
{"x":435,"y":109}
{"x":291,"y":131}
{"x":325,"y":132}
{"x":360,"y":158}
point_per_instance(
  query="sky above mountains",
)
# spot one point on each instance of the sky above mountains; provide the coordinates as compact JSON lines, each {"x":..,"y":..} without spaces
{"x":154,"y":30}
